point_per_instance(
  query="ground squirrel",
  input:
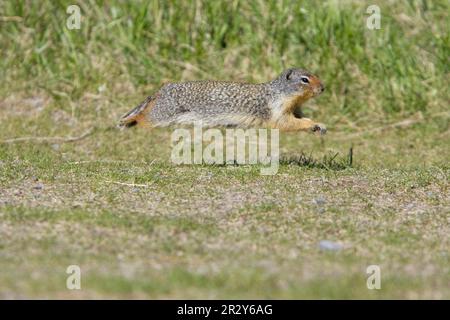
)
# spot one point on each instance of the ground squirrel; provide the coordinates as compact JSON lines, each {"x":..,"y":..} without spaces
{"x":274,"y":104}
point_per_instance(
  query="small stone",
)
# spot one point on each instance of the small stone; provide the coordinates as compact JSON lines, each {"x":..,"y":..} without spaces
{"x":320,"y":200}
{"x":102,"y":88}
{"x":55,"y":146}
{"x":39,"y":186}
{"x":76,"y":205}
{"x":328,"y":245}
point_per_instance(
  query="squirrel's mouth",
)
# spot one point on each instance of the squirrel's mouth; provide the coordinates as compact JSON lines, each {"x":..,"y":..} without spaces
{"x":318,"y":90}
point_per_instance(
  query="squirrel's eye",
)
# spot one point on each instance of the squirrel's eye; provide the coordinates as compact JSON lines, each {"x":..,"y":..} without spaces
{"x":304,"y":79}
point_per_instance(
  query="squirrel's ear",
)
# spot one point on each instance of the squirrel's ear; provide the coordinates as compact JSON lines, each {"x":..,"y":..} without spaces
{"x":289,"y":74}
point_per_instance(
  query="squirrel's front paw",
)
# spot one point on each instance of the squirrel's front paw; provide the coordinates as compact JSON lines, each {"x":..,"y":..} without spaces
{"x":320,"y":128}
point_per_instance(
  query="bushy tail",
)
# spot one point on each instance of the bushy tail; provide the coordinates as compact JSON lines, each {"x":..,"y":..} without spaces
{"x":136,"y":115}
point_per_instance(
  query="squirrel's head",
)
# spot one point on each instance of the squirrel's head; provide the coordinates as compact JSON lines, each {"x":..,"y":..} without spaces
{"x":298,"y":82}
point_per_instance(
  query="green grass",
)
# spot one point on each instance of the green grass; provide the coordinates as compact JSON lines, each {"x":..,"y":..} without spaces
{"x":142,"y":227}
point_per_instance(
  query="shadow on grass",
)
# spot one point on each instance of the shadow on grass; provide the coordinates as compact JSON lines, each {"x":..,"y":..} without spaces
{"x":328,"y":162}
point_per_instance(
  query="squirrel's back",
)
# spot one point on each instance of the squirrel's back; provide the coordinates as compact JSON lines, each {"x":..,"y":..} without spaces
{"x":213,"y":102}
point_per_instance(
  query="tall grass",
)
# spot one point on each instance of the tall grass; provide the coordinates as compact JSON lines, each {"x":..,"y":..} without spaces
{"x":131,"y":47}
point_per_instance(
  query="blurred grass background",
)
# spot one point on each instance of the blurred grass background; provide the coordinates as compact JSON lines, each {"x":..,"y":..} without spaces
{"x":130,"y":48}
{"x":141,"y":227}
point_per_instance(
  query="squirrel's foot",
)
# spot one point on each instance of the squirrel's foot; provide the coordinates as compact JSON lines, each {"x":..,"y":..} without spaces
{"x":320,"y":128}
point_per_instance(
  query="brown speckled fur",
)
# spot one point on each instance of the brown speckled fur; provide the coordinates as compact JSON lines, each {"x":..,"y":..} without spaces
{"x":218,"y":103}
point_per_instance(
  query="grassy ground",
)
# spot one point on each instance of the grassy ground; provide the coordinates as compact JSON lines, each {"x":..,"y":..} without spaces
{"x":141,"y":227}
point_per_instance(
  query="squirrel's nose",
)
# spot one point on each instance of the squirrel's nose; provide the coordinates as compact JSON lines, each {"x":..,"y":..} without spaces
{"x":322,"y":88}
